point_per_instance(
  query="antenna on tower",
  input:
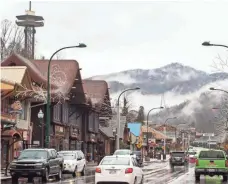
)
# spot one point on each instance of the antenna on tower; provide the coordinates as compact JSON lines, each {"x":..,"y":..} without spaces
{"x":164,"y":100}
{"x":30,"y":5}
{"x":161,"y":101}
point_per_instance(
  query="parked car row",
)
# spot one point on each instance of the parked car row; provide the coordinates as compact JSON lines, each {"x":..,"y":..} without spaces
{"x":46,"y":163}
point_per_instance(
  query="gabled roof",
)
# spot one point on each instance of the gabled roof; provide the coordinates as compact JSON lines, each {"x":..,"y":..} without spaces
{"x":107,"y":131}
{"x":97,"y":91}
{"x":168,"y":128}
{"x":135,"y":128}
{"x":156,"y":134}
{"x":13,"y":73}
{"x":63,"y":72}
{"x":12,"y":76}
{"x":17,"y":60}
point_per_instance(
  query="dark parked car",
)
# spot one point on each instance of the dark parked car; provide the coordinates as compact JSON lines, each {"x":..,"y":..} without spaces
{"x":138,"y":155}
{"x":178,"y":158}
{"x":36,"y":163}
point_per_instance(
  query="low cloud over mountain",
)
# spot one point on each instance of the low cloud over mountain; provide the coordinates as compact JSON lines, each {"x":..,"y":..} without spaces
{"x":185,"y":91}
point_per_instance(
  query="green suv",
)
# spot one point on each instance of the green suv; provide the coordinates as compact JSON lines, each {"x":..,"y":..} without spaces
{"x":211,"y":162}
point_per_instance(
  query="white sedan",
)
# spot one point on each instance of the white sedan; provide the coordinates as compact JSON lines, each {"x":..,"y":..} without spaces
{"x":118,"y":169}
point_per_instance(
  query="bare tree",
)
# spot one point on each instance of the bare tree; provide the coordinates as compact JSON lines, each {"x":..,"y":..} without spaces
{"x":40,"y":94}
{"x":12,"y":38}
{"x":58,"y":80}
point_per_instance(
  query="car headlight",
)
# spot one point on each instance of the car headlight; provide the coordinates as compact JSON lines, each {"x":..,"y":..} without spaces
{"x":13,"y":165}
{"x":39,"y":166}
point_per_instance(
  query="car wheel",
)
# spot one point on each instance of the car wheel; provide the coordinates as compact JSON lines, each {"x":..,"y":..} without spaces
{"x":83,"y":171}
{"x":197,"y":177}
{"x":46,"y":175}
{"x":14,"y":179}
{"x":225,"y":178}
{"x":59,"y":176}
{"x":75,"y":172}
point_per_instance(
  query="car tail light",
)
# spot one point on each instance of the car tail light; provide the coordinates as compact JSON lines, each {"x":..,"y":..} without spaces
{"x":128,"y":171}
{"x":197,"y":162}
{"x":98,"y":170}
{"x":226,"y":163}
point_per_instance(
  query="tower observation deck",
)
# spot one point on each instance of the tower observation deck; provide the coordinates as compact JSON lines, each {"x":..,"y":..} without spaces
{"x":29,"y":21}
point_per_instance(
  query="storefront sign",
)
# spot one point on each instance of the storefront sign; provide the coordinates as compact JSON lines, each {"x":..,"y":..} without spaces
{"x":16,"y":108}
{"x":59,"y":130}
{"x":74,"y":132}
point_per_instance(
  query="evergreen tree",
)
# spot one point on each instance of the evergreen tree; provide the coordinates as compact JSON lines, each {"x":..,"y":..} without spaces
{"x":125,"y":107}
{"x":141,"y":115}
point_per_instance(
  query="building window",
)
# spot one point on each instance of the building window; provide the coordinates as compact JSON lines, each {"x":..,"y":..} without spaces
{"x":24,"y":108}
{"x":96,"y":123}
{"x":91,"y":122}
{"x":65,"y":112}
{"x":57,"y":112}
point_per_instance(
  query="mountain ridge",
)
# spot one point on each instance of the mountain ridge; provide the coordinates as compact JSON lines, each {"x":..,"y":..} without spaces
{"x":183,"y":90}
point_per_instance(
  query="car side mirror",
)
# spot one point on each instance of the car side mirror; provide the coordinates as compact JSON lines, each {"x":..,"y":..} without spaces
{"x":79,"y":158}
{"x":131,"y":154}
{"x":15,"y":157}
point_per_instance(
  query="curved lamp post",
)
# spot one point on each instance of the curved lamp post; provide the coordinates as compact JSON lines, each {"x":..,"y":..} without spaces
{"x":147,"y":124}
{"x":118,"y":116}
{"x":209,"y":44}
{"x":165,"y":132}
{"x":41,"y":117}
{"x":48,"y":118}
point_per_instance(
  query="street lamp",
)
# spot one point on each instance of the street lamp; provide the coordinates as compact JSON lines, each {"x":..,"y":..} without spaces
{"x":48,"y":118}
{"x":165,"y":134}
{"x":41,"y":116}
{"x":215,"y":89}
{"x":147,"y":124}
{"x":209,"y":44}
{"x":118,"y":116}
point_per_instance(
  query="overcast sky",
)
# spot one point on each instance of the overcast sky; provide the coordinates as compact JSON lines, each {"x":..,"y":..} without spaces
{"x":128,"y":35}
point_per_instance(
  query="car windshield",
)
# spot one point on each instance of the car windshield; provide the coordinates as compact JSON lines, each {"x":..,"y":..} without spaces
{"x":115,"y":161}
{"x":67,"y":156}
{"x":137,"y":153}
{"x":211,"y":154}
{"x":178,"y":154}
{"x":122,"y":152}
{"x":33,"y":154}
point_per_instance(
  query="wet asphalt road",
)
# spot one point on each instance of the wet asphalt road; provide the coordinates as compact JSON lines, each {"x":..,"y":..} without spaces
{"x":159,"y":173}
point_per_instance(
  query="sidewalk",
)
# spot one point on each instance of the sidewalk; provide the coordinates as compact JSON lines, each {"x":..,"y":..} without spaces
{"x":3,"y":177}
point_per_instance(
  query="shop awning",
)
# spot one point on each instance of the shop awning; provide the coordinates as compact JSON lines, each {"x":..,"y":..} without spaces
{"x":11,"y":133}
